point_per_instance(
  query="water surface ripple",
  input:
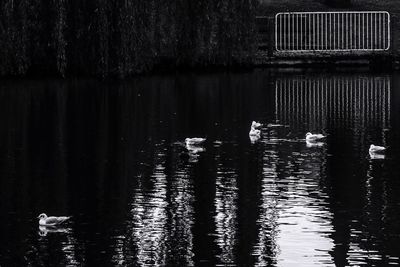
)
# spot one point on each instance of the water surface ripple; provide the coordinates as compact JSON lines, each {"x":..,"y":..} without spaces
{"x":112,"y":156}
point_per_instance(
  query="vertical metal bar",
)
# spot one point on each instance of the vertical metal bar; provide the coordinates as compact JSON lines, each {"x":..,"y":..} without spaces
{"x":292,"y":36}
{"x":321,"y":31}
{"x":351,"y":30}
{"x":372,"y":31}
{"x":326,"y":32}
{"x":388,"y":31}
{"x":280,"y":31}
{"x":330,"y":31}
{"x":297,"y":31}
{"x":367,"y":31}
{"x":347,"y":30}
{"x":313,"y":42}
{"x":375,"y":32}
{"x":301,"y":32}
{"x":385,"y":34}
{"x":309,"y":31}
{"x":363,"y":27}
{"x":338,"y":31}
{"x":379,"y":31}
{"x":292,"y":32}
{"x":284,"y":31}
{"x":320,"y":26}
{"x":334,"y":31}
{"x":342,"y":31}
{"x":371,"y":38}
{"x":384,"y":31}
{"x":289,"y":31}
{"x":359,"y":31}
{"x":317,"y":31}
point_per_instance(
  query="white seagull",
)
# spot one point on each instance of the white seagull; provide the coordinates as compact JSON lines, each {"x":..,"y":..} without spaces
{"x":194,"y":141}
{"x":376,"y":149}
{"x":44,"y":220}
{"x":314,"y":137}
{"x":254,"y":133}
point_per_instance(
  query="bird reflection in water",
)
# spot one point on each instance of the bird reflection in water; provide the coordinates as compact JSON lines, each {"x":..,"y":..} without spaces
{"x":314,"y":144}
{"x":45,"y":230}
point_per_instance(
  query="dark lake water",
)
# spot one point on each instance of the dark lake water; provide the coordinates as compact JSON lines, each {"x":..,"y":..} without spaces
{"x":111,"y":155}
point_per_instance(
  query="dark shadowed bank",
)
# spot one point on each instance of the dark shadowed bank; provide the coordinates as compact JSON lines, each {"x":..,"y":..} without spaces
{"x":121,"y":37}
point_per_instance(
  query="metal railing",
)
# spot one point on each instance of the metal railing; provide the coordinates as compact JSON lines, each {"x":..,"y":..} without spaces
{"x":332,"y":31}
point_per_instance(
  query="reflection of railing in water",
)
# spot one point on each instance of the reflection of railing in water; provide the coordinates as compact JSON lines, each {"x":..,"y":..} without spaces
{"x":339,"y":100}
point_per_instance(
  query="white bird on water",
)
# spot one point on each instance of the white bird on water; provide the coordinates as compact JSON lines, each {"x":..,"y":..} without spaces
{"x":255,"y":133}
{"x":314,"y":137}
{"x":44,"y":220}
{"x":194,"y":141}
{"x":376,"y":149}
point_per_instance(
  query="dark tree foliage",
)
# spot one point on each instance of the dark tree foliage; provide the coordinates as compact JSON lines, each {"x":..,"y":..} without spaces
{"x":123,"y":37}
{"x":338,"y":3}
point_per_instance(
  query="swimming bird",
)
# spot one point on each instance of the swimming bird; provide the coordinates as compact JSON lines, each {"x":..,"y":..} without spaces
{"x":376,"y":149}
{"x":314,"y":137}
{"x":44,"y":220}
{"x":194,"y":141}
{"x":255,"y":125}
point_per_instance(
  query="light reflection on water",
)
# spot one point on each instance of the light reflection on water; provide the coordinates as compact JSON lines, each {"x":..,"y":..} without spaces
{"x":226,"y":197}
{"x":113,"y":159}
{"x":149,"y":216}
